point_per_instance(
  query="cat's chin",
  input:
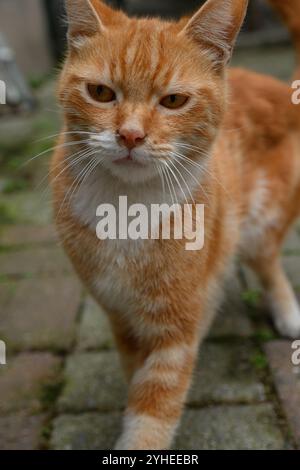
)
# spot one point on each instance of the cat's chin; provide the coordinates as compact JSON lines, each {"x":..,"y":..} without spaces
{"x":131,"y":172}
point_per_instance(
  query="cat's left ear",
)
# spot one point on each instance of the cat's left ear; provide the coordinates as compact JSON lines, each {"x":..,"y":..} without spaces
{"x":85,"y":19}
{"x":216,"y":26}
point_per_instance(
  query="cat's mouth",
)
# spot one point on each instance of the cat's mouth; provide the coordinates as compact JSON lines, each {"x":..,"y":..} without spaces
{"x":128,"y":160}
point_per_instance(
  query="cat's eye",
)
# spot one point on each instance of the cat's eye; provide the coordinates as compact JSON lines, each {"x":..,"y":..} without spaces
{"x":174,"y":101}
{"x":101,"y":93}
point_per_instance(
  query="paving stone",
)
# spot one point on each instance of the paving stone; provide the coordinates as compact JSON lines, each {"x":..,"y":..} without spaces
{"x":239,"y":427}
{"x":21,"y":431}
{"x":94,"y":330}
{"x":93,"y":381}
{"x":287,"y":381}
{"x":16,"y":235}
{"x":88,"y":431}
{"x":34,"y":261}
{"x":231,"y":322}
{"x":251,"y":280}
{"x":230,"y":428}
{"x":292,"y":267}
{"x":41,"y":314}
{"x":225,"y":374}
{"x":7,"y":290}
{"x":22,"y":380}
{"x":292,"y":244}
{"x":232,"y":319}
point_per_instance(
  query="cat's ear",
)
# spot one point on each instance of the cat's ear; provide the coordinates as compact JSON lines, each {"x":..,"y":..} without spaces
{"x":85,"y":19}
{"x":216,"y":26}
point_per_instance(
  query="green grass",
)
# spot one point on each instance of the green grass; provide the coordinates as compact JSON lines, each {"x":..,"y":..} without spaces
{"x":292,"y":252}
{"x":251,"y":298}
{"x":7,"y":217}
{"x":265,"y":335}
{"x":50,"y":393}
{"x":14,"y":185}
{"x":37,"y":81}
{"x":259,"y":361}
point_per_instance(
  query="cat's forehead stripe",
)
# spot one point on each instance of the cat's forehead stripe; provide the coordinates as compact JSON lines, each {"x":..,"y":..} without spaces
{"x":140,"y":63}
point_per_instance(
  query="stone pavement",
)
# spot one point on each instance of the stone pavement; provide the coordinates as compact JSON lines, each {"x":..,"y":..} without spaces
{"x":62,"y":387}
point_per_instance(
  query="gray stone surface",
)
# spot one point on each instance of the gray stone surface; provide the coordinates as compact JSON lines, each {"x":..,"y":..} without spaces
{"x":225,"y":402}
{"x":291,"y":262}
{"x":88,"y":431}
{"x":41,"y":314}
{"x":225,"y":374}
{"x":287,"y":381}
{"x":7,"y":291}
{"x":238,"y":427}
{"x":231,"y":322}
{"x":252,"y":283}
{"x":94,"y":331}
{"x":292,"y":265}
{"x":13,"y":235}
{"x":93,"y":381}
{"x":22,"y":380}
{"x":34,"y":261}
{"x":230,"y":428}
{"x":21,"y":431}
{"x":232,"y":319}
{"x":292,"y":243}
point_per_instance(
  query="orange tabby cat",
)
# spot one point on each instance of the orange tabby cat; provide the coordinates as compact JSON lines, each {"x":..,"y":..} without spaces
{"x":145,"y":99}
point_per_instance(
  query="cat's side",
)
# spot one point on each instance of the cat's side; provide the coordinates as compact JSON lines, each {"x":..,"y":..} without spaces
{"x":146,"y":99}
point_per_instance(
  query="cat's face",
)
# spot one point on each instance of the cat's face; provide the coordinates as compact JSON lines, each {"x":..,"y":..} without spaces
{"x":146,"y":92}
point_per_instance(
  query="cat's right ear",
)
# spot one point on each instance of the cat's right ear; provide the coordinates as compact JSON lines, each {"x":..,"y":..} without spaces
{"x":215,"y":28}
{"x":84,"y":20}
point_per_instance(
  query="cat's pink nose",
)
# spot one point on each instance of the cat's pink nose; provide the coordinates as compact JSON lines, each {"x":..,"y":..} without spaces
{"x":132,"y":137}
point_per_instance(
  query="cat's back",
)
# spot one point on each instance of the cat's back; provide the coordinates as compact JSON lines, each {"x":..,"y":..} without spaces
{"x":260,"y":107}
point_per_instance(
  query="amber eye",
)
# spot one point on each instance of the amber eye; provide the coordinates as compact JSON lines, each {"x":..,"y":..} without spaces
{"x":174,"y":101}
{"x":101,"y":93}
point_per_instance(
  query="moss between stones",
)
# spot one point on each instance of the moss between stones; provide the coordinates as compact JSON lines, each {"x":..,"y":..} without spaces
{"x":264,"y":335}
{"x":6,"y":215}
{"x":259,"y":361}
{"x":251,"y":298}
{"x":50,"y":393}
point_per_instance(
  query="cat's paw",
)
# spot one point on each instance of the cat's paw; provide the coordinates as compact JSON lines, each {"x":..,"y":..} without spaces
{"x":288,"y":323}
{"x":120,"y":444}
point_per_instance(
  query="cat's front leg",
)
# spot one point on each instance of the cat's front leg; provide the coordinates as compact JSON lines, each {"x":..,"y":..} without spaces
{"x":156,"y":396}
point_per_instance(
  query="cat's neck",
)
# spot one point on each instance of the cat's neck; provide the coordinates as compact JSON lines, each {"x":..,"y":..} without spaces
{"x":101,"y":187}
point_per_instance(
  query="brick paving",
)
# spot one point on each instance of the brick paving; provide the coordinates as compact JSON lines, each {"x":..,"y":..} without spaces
{"x":62,"y":387}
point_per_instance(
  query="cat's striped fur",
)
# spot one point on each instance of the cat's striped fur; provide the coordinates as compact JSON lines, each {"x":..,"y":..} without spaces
{"x":238,"y":135}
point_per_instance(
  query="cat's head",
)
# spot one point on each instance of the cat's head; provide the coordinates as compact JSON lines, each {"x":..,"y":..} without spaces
{"x":146,"y":93}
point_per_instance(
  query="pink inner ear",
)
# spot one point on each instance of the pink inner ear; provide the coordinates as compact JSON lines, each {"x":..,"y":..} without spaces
{"x":83,"y":20}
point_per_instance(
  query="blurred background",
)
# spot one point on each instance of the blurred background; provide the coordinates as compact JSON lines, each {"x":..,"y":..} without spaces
{"x":32,"y":46}
{"x":61,"y":387}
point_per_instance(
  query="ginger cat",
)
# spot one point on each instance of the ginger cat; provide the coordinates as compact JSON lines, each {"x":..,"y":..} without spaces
{"x":148,"y":102}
